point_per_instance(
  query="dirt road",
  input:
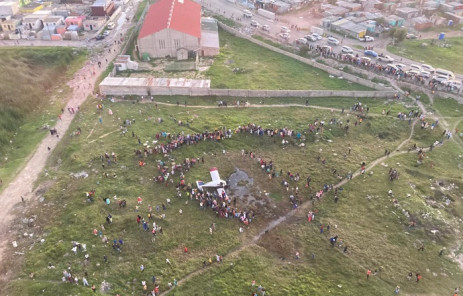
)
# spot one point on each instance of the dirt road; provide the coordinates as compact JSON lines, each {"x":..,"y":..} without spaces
{"x":82,"y":84}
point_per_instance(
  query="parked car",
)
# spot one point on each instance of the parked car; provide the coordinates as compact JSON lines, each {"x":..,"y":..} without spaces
{"x":285,"y":29}
{"x":346,"y":49}
{"x":111,"y":26}
{"x":247,"y":13}
{"x":367,"y":39}
{"x":349,"y":56}
{"x":411,"y":36}
{"x":386,"y":59}
{"x":425,"y":74}
{"x":333,"y":41}
{"x":400,"y":66}
{"x":446,"y":82}
{"x":412,"y":72}
{"x":392,"y":66}
{"x":317,"y":36}
{"x":455,"y":84}
{"x":327,"y":48}
{"x":439,"y":79}
{"x":100,"y":37}
{"x":302,"y":41}
{"x":310,"y":38}
{"x":428,"y":68}
{"x":266,"y":28}
{"x":415,"y":67}
{"x":255,"y":24}
{"x":365,"y":60}
{"x":284,"y":35}
{"x":371,"y":53}
{"x":106,"y":33}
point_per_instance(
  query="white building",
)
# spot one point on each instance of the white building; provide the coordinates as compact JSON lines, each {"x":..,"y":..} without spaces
{"x":123,"y":63}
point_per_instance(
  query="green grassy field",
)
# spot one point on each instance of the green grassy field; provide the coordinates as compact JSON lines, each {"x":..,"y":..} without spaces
{"x":31,"y":96}
{"x":448,"y":107}
{"x":376,"y":232}
{"x":376,"y":105}
{"x":140,"y":9}
{"x":438,"y":57}
{"x":365,"y":218}
{"x":261,"y":68}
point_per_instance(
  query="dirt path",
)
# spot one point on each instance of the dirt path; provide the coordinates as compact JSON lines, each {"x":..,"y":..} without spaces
{"x":82,"y":84}
{"x":199,"y":107}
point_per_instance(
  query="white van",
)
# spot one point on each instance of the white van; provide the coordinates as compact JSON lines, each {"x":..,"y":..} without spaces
{"x":442,"y":72}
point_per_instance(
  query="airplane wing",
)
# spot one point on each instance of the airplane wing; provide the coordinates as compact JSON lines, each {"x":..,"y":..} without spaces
{"x":214,"y":174}
{"x":215,"y":184}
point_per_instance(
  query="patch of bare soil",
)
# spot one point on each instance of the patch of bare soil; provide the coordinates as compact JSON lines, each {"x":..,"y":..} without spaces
{"x":25,"y":231}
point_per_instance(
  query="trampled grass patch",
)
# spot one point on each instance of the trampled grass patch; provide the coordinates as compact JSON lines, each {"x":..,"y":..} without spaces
{"x":260,"y":68}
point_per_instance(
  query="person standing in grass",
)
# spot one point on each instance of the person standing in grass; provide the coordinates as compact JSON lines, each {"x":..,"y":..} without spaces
{"x":368,"y":273}
{"x":418,"y":278}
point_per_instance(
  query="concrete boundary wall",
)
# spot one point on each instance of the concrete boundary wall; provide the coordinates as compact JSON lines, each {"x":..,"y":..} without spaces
{"x":307,"y":61}
{"x":124,"y":90}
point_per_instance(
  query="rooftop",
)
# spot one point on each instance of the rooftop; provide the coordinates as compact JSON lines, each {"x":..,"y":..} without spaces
{"x":180,"y":15}
{"x":156,"y":82}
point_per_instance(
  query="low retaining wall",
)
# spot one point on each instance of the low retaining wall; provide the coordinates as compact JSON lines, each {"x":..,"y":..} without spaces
{"x":243,"y":93}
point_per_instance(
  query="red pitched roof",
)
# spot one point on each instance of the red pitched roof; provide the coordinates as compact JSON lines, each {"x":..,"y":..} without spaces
{"x":186,"y":18}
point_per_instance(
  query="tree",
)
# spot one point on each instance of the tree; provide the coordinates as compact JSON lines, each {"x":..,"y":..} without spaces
{"x":303,"y":50}
{"x":400,"y":34}
{"x":381,"y":21}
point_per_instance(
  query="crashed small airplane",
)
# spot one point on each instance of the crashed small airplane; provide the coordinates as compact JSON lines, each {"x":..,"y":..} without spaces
{"x":216,"y":183}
